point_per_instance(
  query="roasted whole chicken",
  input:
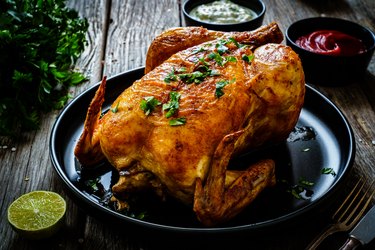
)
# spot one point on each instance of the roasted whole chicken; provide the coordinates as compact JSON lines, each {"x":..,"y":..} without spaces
{"x":205,"y":98}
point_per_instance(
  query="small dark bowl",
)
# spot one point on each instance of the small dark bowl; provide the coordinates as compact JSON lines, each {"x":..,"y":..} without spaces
{"x":256,"y":5}
{"x":327,"y":69}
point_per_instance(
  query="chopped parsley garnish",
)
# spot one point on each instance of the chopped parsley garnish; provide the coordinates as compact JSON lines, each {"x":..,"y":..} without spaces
{"x":230,"y":59}
{"x":196,"y":51}
{"x":221,"y":48}
{"x":221,"y":60}
{"x":223,"y":42}
{"x":193,"y":77}
{"x":177,"y":122}
{"x":302,"y":190}
{"x":173,"y":105}
{"x":202,"y":71}
{"x":149,"y":103}
{"x":235,"y":42}
{"x":181,"y":70}
{"x":204,"y":63}
{"x":328,"y":171}
{"x":220,"y":85}
{"x":115,"y":109}
{"x":94,"y":187}
{"x":172,"y":77}
{"x":198,"y":76}
{"x":217,"y":57}
{"x":306,"y":183}
{"x":247,"y":58}
{"x":93,"y":184}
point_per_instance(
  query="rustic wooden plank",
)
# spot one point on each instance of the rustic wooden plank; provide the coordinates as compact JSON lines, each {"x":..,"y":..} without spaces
{"x":353,"y":101}
{"x":91,"y":60}
{"x":133,"y":26}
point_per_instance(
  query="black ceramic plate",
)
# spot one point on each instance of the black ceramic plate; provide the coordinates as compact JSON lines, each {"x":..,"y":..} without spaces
{"x":323,"y":139}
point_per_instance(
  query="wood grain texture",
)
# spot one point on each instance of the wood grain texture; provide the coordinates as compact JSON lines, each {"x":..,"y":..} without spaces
{"x":119,"y":35}
{"x":91,"y":60}
{"x":132,"y":27}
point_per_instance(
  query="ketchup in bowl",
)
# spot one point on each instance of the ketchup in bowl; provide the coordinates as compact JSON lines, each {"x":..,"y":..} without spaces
{"x":331,"y":42}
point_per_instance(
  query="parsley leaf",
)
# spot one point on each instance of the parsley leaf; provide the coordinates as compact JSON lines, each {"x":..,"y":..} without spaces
{"x":221,"y":48}
{"x":193,"y":77}
{"x":115,"y":109}
{"x":230,"y":59}
{"x":247,"y":58}
{"x":170,"y":77}
{"x":238,"y":45}
{"x":302,"y":190}
{"x":149,"y":103}
{"x":221,"y":60}
{"x":177,"y":122}
{"x":173,"y":104}
{"x":220,"y":85}
{"x":198,"y":50}
{"x":217,"y":57}
{"x":328,"y":171}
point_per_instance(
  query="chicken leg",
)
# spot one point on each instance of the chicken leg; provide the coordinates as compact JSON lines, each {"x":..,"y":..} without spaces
{"x":214,"y":202}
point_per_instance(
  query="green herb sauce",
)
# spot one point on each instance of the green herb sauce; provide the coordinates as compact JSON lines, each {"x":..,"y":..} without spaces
{"x":222,"y":12}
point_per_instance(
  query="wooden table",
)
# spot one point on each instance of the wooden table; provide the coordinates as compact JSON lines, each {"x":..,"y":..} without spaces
{"x":119,"y":35}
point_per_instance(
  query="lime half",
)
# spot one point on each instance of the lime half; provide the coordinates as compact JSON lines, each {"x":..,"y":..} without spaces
{"x":37,"y":215}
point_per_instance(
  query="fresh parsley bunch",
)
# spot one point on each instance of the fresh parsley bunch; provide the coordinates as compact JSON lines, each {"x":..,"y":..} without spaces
{"x":40,"y":41}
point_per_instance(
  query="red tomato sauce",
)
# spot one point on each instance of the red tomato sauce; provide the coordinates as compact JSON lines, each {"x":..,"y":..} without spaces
{"x":331,"y":42}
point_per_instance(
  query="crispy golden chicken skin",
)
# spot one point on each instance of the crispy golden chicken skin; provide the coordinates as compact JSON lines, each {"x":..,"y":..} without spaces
{"x":208,"y":99}
{"x":176,"y":39}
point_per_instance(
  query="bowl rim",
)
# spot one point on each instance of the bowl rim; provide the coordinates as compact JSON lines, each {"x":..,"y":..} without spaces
{"x":259,"y":16}
{"x":364,"y":29}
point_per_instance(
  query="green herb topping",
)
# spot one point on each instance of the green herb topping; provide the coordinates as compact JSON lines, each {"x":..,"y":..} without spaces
{"x":247,"y":58}
{"x":196,"y":51}
{"x":194,"y":77}
{"x":238,"y":45}
{"x":173,"y":104}
{"x":221,"y":48}
{"x":93,"y":184}
{"x":302,"y":190}
{"x":115,"y":109}
{"x":223,"y":42}
{"x":171,"y":77}
{"x":177,"y":122}
{"x":148,"y":104}
{"x":328,"y":171}
{"x":220,"y":85}
{"x":203,"y":70}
